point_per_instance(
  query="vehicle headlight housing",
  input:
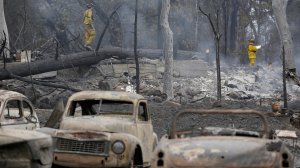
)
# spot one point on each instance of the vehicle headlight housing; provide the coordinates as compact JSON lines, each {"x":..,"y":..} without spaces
{"x":118,"y":147}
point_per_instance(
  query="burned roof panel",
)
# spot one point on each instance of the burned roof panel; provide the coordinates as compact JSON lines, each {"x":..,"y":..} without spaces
{"x":111,"y":95}
{"x":5,"y":94}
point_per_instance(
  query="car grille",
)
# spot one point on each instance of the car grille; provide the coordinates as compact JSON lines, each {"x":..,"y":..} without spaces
{"x":88,"y":147}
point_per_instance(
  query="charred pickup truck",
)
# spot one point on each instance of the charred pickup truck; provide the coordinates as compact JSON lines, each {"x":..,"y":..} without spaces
{"x":220,"y":146}
{"x":104,"y":129}
{"x":20,"y":145}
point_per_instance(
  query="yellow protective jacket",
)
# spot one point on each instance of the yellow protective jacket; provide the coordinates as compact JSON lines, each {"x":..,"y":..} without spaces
{"x":252,"y":51}
{"x":88,"y":17}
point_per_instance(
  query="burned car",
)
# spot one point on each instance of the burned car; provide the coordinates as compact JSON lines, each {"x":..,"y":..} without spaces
{"x":220,"y":146}
{"x":104,"y":129}
{"x":20,"y":146}
{"x":17,"y":111}
{"x":26,"y":149}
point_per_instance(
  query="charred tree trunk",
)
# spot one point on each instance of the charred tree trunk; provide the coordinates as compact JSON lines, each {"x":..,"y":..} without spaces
{"x":233,"y":25}
{"x":159,"y":38}
{"x":3,"y":27}
{"x":285,"y":105}
{"x":279,"y":8}
{"x":168,"y":49}
{"x":63,"y":62}
{"x":79,"y":59}
{"x":136,"y":58}
{"x":216,"y":31}
{"x":225,"y":17}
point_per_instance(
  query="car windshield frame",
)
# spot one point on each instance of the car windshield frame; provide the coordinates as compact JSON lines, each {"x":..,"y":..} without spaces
{"x":94,"y":107}
{"x":174,"y":133}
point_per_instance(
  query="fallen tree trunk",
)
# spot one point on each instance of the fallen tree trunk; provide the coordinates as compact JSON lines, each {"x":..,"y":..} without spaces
{"x":79,"y":59}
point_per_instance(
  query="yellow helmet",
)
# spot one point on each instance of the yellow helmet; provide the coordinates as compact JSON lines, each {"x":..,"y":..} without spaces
{"x":251,"y":40}
{"x":89,"y":5}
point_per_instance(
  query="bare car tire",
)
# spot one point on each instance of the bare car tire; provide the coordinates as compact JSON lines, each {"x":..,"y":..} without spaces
{"x":57,"y":166}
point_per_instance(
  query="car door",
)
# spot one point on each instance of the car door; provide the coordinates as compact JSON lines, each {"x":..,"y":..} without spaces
{"x":13,"y":117}
{"x":145,"y":130}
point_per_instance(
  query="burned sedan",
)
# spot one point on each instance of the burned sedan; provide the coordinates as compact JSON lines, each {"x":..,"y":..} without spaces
{"x":104,"y":129}
{"x":20,"y":144}
{"x":26,"y":149}
{"x":17,"y":111}
{"x":220,"y":146}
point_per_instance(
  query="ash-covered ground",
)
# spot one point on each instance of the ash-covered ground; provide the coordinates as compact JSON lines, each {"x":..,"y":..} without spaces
{"x":242,"y":88}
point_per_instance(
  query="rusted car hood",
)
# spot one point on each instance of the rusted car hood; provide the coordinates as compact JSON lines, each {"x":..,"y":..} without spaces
{"x":9,"y":136}
{"x":98,"y":123}
{"x":219,"y":151}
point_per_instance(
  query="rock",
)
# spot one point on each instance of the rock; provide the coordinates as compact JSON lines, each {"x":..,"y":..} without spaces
{"x":153,"y":82}
{"x":233,"y":95}
{"x":295,"y":120}
{"x":176,"y":74}
{"x":104,"y":85}
{"x":239,"y":95}
{"x":169,"y":103}
{"x":74,"y":80}
{"x":231,"y":84}
{"x":45,"y":100}
{"x":123,"y":80}
{"x":217,"y":104}
{"x":156,"y":99}
{"x":153,"y":93}
{"x":159,"y":76}
{"x":249,"y":88}
{"x":247,"y":96}
{"x":192,"y":92}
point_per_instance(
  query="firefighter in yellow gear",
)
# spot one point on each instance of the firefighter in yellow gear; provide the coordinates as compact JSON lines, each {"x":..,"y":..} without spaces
{"x":252,"y":51}
{"x":89,"y":30}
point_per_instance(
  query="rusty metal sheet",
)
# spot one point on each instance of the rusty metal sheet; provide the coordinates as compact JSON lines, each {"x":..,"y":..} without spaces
{"x":286,"y":134}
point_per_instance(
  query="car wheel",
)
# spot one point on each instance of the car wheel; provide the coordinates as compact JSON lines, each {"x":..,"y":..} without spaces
{"x":131,"y":164}
{"x":57,"y":166}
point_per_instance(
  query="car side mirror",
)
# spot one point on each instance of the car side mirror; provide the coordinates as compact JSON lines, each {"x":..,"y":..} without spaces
{"x":31,"y":118}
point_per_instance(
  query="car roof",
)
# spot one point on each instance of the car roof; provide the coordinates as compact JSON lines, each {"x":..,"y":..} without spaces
{"x":109,"y":95}
{"x":5,"y":94}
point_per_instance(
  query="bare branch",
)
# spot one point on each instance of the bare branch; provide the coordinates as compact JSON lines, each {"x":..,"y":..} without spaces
{"x":210,"y":21}
{"x":106,"y":26}
{"x":43,"y":84}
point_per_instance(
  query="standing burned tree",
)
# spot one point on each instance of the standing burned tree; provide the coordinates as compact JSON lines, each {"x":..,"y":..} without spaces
{"x":136,"y":58}
{"x":279,"y":8}
{"x":215,"y":28}
{"x":2,"y":48}
{"x":3,"y":28}
{"x":167,"y":49}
